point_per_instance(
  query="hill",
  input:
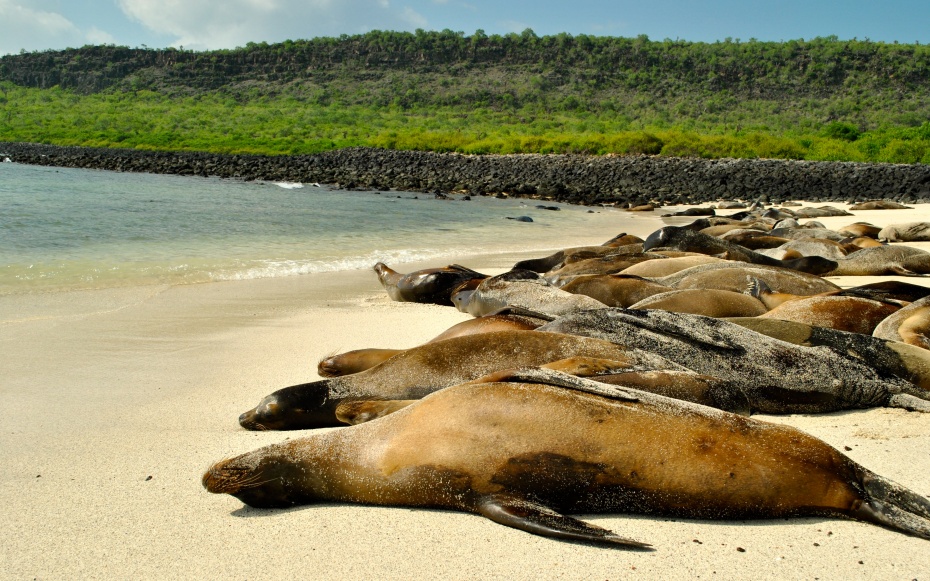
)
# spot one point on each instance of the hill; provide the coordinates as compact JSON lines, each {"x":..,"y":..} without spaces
{"x":821,"y":99}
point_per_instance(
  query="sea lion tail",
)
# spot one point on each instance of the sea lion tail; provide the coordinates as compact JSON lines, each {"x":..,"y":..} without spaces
{"x":893,"y":506}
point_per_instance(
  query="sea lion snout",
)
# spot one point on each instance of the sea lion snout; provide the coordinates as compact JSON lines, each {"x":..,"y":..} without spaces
{"x":297,"y":407}
{"x":253,"y":481}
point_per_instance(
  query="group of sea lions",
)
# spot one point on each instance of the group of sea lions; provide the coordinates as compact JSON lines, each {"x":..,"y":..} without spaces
{"x":618,"y":378}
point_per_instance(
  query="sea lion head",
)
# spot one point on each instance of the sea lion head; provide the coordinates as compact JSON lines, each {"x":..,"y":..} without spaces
{"x":296,"y":407}
{"x":263,"y":478}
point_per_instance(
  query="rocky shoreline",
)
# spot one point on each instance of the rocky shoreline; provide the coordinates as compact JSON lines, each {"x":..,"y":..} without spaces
{"x":576,"y":179}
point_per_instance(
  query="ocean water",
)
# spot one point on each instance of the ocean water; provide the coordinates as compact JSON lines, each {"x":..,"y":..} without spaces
{"x":64,"y":229}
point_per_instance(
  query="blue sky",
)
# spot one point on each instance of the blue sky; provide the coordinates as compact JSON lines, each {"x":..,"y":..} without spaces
{"x":209,"y":24}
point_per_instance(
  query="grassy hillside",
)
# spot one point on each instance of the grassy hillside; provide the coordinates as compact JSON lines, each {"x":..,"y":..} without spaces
{"x":823,"y":99}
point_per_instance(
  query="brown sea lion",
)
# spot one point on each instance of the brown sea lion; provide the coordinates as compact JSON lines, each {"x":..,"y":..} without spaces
{"x":755,"y":240}
{"x":853,"y":314}
{"x":860,"y":229}
{"x":362,"y":359}
{"x":706,"y":302}
{"x":527,"y":454}
{"x":610,"y":264}
{"x":666,"y":266}
{"x":909,"y":325}
{"x":889,"y":291}
{"x":735,"y":275}
{"x":426,"y":368}
{"x":880,"y":205}
{"x":614,"y":290}
{"x":431,"y":285}
{"x":547,"y":263}
{"x":623,"y":239}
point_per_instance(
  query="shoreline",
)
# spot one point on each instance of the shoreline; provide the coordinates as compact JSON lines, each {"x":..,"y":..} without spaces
{"x":117,"y":400}
{"x":575,"y":179}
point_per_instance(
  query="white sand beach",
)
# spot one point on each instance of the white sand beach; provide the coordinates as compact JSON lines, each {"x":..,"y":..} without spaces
{"x":116,"y":401}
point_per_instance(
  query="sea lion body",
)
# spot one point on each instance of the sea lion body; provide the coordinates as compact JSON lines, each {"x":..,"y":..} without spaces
{"x":362,"y":359}
{"x":734,"y":276}
{"x":537,"y":295}
{"x":884,"y":260}
{"x":665,"y":266}
{"x":420,"y":370}
{"x":614,"y":290}
{"x":910,"y":232}
{"x":843,"y":313}
{"x":527,"y":454}
{"x":776,"y":377}
{"x":909,"y":325}
{"x":706,"y":302}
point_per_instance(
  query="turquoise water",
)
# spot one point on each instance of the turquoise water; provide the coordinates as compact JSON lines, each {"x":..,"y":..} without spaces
{"x":70,"y":228}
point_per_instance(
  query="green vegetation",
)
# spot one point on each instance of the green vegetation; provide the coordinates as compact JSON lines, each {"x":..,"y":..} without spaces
{"x":823,"y":99}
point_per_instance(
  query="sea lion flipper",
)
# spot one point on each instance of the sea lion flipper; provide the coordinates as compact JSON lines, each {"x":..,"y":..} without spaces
{"x":909,"y":402}
{"x":360,"y":411}
{"x":540,"y":520}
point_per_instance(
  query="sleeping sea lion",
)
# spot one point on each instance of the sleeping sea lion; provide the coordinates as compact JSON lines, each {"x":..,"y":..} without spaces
{"x":843,"y":313}
{"x":421,"y":370}
{"x":707,"y":302}
{"x":431,"y":285}
{"x":362,"y":359}
{"x":614,"y":290}
{"x":526,"y":454}
{"x":689,"y":241}
{"x":776,"y":376}
{"x":882,"y":260}
{"x":909,"y":325}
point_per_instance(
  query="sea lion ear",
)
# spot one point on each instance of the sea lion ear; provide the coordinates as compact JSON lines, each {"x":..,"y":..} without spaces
{"x":541,"y":520}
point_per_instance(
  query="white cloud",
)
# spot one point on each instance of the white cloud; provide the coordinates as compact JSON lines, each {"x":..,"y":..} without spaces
{"x":22,"y":27}
{"x":207,"y":24}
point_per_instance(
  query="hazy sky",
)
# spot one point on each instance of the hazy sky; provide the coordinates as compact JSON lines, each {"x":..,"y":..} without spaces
{"x":208,"y":24}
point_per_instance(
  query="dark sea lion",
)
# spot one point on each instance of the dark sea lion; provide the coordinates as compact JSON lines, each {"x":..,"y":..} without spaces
{"x":692,"y":212}
{"x":362,"y":359}
{"x":421,"y":370}
{"x":777,"y":377}
{"x":547,"y":263}
{"x":707,"y":302}
{"x":689,"y":241}
{"x":909,"y":325}
{"x":887,"y":356}
{"x":735,"y":276}
{"x":884,"y":260}
{"x":910,"y":232}
{"x":526,"y":454}
{"x":431,"y":285}
{"x":614,"y":290}
{"x":852,"y":314}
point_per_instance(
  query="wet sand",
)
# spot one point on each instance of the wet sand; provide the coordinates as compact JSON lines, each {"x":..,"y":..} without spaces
{"x":116,"y":401}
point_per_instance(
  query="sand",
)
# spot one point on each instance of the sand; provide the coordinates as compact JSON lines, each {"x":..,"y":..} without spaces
{"x":116,"y":401}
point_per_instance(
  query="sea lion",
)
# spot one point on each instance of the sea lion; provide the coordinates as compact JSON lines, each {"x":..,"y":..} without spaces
{"x":843,"y":313}
{"x":754,"y":240}
{"x":860,"y":229}
{"x":537,"y":295}
{"x":431,"y":285}
{"x":880,"y":205}
{"x":525,"y":454}
{"x":609,"y":264}
{"x":623,"y":239}
{"x":547,"y":263}
{"x":910,"y":232}
{"x":689,"y":241}
{"x":707,"y":302}
{"x":887,"y":291}
{"x":909,"y":325}
{"x":666,"y":266}
{"x":426,"y":368}
{"x":884,"y":260}
{"x":362,"y":359}
{"x":734,"y":276}
{"x":887,"y":356}
{"x":614,"y":290}
{"x":777,"y":377}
